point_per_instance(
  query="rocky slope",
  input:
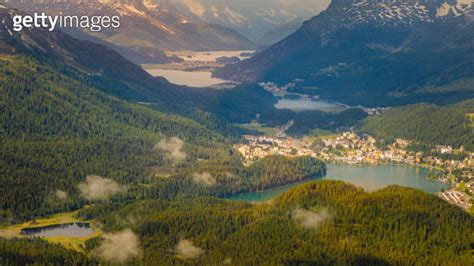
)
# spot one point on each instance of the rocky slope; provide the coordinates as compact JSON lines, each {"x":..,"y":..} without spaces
{"x":254,"y":19}
{"x":148,"y":27}
{"x":280,"y":32}
{"x":374,"y":53}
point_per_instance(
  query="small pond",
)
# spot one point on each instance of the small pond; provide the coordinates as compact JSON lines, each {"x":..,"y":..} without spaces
{"x":75,"y":230}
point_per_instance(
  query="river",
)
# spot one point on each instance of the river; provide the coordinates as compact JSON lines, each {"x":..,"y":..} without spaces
{"x":369,"y":177}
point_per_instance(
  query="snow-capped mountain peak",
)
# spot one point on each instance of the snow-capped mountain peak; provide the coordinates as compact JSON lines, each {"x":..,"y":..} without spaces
{"x":395,"y":12}
{"x":250,"y":17}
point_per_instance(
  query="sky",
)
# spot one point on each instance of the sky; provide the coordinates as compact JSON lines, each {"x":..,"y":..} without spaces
{"x":304,"y":8}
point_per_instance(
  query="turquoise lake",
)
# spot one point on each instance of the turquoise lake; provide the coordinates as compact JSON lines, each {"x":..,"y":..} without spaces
{"x":369,"y":177}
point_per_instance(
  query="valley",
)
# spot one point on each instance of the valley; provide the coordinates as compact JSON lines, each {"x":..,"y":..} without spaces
{"x":306,"y":104}
{"x":255,"y":20}
{"x":195,"y":68}
{"x":363,"y":53}
{"x":196,"y":79}
{"x":148,"y":30}
{"x":176,"y":139}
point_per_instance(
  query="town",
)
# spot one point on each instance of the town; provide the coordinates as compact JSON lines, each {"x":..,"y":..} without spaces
{"x":350,"y":148}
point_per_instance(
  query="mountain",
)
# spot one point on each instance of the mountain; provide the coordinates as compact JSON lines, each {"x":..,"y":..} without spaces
{"x":92,"y":63}
{"x":148,"y":27}
{"x":253,"y":19}
{"x":72,"y":108}
{"x":65,"y":114}
{"x":69,"y":113}
{"x":280,"y":32}
{"x":374,"y":53}
{"x":90,"y":140}
{"x":107,"y":70}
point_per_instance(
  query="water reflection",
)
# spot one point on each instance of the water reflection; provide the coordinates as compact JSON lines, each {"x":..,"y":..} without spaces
{"x":309,"y":105}
{"x":60,"y":230}
{"x":369,"y":177}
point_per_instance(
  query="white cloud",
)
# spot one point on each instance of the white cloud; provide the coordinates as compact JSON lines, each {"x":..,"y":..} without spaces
{"x":61,"y":194}
{"x":119,"y":247}
{"x":186,"y":250}
{"x":99,"y":188}
{"x":205,"y":179}
{"x":174,"y":147}
{"x":309,"y":219}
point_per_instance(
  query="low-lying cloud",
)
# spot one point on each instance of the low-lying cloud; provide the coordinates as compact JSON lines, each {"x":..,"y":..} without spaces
{"x":174,"y":148}
{"x":61,"y":194}
{"x":119,"y":247}
{"x":99,"y":188}
{"x":186,"y":250}
{"x":205,"y":179}
{"x":310,"y":219}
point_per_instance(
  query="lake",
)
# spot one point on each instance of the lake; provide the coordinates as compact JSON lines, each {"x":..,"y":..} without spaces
{"x":210,"y":56}
{"x":309,"y":105}
{"x":369,"y":177}
{"x":76,"y":230}
{"x":198,"y":79}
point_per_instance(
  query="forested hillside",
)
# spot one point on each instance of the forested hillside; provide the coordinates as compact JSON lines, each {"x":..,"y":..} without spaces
{"x":425,"y":123}
{"x":36,"y":251}
{"x":305,"y":122}
{"x":56,"y":130}
{"x":90,"y":137}
{"x":100,"y":67}
{"x":322,"y":223}
{"x":74,"y":110}
{"x":318,"y":223}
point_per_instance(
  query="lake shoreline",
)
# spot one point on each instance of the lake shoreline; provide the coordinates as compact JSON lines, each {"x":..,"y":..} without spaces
{"x":430,"y":186}
{"x":196,"y":68}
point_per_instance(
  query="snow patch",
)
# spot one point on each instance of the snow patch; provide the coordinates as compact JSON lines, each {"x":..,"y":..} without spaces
{"x":234,"y":17}
{"x":195,"y":7}
{"x":458,"y":9}
{"x":150,"y":5}
{"x":215,"y":11}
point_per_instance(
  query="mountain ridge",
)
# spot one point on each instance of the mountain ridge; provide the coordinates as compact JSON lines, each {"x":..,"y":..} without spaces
{"x":69,"y":111}
{"x":334,"y":55}
{"x":148,"y":28}
{"x":252,"y":18}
